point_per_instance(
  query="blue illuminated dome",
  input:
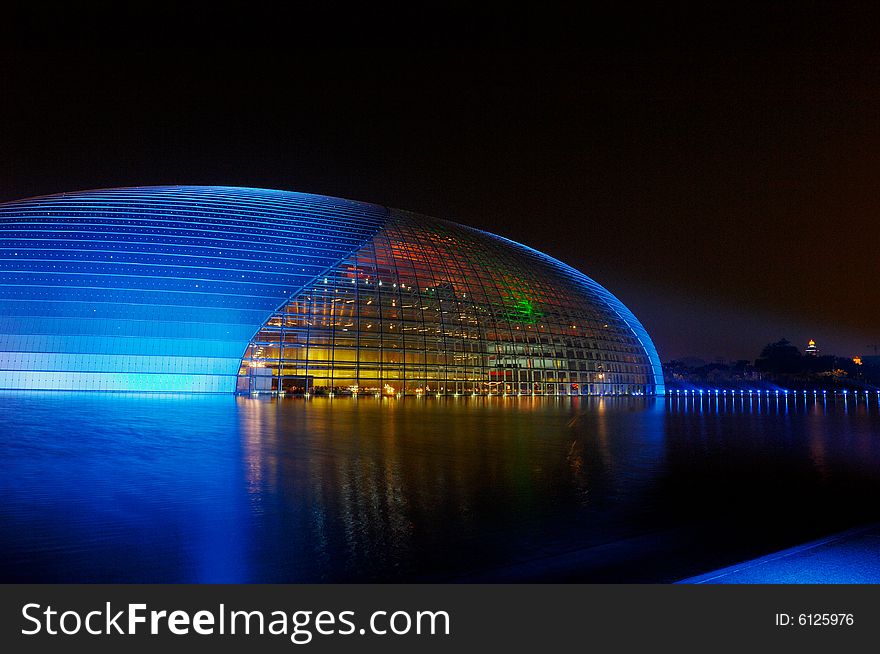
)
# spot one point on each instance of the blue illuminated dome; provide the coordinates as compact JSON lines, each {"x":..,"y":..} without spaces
{"x":218,"y":289}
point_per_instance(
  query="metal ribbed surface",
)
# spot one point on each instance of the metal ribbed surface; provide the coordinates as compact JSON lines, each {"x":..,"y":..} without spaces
{"x":157,"y":288}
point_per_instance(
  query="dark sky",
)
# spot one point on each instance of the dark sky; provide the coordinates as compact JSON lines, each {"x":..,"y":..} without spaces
{"x":716,"y":171}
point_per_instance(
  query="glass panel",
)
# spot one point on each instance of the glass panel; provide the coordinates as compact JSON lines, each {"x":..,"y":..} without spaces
{"x":431,"y":307}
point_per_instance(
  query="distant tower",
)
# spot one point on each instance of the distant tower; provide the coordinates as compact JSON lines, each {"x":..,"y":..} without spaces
{"x":811,"y":350}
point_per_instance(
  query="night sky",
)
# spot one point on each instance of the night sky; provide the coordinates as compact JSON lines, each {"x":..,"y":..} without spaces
{"x":717,"y":172}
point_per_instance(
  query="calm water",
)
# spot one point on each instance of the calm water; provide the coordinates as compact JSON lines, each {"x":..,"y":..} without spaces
{"x":220,"y":489}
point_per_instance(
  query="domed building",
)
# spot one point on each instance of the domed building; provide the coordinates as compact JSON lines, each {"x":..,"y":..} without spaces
{"x":222,"y":289}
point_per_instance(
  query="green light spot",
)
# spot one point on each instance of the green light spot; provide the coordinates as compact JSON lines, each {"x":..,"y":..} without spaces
{"x":524,"y":312}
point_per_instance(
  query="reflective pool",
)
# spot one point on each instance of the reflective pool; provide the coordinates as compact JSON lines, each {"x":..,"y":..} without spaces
{"x":146,"y":488}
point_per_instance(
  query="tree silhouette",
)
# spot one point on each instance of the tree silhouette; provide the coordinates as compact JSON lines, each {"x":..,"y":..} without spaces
{"x":780,"y":357}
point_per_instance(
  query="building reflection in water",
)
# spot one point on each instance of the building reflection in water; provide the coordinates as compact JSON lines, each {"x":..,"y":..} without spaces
{"x":384,"y":488}
{"x":121,"y":487}
{"x":143,"y":488}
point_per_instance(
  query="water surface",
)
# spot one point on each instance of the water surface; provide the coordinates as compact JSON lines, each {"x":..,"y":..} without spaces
{"x":147,"y":488}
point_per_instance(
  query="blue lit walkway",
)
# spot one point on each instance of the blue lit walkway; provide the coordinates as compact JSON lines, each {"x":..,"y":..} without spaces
{"x":850,"y":557}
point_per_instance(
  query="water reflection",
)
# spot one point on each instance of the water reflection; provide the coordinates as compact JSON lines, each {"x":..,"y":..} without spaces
{"x":100,"y":487}
{"x":371,"y":488}
{"x":209,"y":489}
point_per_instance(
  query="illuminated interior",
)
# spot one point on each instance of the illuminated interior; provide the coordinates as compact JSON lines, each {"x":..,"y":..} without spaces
{"x":429,"y":307}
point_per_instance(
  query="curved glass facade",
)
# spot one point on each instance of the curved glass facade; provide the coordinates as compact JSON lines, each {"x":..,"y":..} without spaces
{"x":432,"y":307}
{"x":213,"y":289}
